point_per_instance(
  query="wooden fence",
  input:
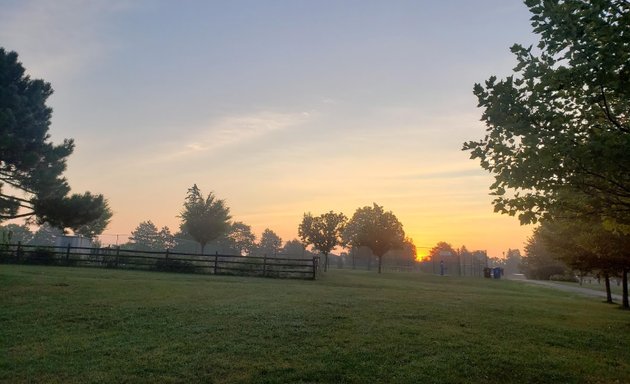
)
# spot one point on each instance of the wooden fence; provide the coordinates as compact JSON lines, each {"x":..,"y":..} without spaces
{"x":165,"y":261}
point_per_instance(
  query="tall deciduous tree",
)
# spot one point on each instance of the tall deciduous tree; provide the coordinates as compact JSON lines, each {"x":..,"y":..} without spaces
{"x":270,"y":243}
{"x":323,"y":232}
{"x":239,"y":239}
{"x":558,"y":129}
{"x":539,"y":262}
{"x":31,"y":167}
{"x":15,"y":233}
{"x":376,"y":229}
{"x":441,"y":249}
{"x":146,"y":236}
{"x":204,"y":218}
{"x":587,"y":246}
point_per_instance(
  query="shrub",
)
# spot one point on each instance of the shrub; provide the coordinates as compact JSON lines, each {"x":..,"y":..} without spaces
{"x":564,"y":277}
{"x":174,"y":265}
{"x":41,"y":256}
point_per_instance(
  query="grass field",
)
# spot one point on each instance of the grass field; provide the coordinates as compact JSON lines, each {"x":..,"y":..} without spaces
{"x":593,"y":284}
{"x":77,"y":325}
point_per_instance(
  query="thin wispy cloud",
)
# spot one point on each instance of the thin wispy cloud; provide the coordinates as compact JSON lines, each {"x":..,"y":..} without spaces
{"x":231,"y":131}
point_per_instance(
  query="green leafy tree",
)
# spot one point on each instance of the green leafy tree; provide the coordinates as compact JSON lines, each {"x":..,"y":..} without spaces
{"x":406,"y":256}
{"x":296,"y":248}
{"x":558,"y":130}
{"x":512,"y":261}
{"x":440,"y":250}
{"x":46,"y":235}
{"x":239,"y":239}
{"x":376,"y":229}
{"x":444,"y":258}
{"x":146,"y":237}
{"x":270,"y":243}
{"x":204,"y":218}
{"x":539,"y":262}
{"x":585,"y":245}
{"x":15,"y":233}
{"x":31,"y":167}
{"x":167,"y":239}
{"x":323,"y":232}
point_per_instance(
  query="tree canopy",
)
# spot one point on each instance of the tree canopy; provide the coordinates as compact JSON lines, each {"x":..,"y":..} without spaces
{"x":204,"y":218}
{"x":146,"y":236}
{"x":376,"y":229}
{"x":587,"y":246}
{"x":558,"y":129}
{"x":539,"y":262}
{"x":31,"y":167}
{"x":323,"y":232}
{"x":240,"y":239}
{"x":270,"y":243}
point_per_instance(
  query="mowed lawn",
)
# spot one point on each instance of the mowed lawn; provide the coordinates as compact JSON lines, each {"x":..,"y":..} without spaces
{"x":79,"y":325}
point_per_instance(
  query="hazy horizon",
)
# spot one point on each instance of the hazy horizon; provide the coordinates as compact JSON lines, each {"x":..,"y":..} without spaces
{"x":278,"y":107}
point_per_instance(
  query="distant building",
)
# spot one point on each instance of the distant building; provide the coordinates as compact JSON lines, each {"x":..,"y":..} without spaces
{"x":73,"y":241}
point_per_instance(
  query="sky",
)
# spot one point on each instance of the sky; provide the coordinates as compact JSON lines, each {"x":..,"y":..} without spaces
{"x":280,"y":107}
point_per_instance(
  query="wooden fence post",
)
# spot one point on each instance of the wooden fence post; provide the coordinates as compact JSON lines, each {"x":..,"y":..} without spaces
{"x":117,"y":255}
{"x":314,"y":267}
{"x":67,"y":254}
{"x":216,"y":257}
{"x":18,"y":251}
{"x":265,"y":265}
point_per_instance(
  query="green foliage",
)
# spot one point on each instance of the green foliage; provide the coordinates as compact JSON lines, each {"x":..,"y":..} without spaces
{"x":204,"y":218}
{"x":586,"y":246}
{"x":15,"y":233}
{"x":567,"y":277}
{"x":147,"y":237}
{"x":376,"y":229}
{"x":323,"y":232}
{"x":46,"y":235}
{"x":270,"y":243}
{"x":539,"y":263}
{"x":295,"y":248}
{"x":30,"y":164}
{"x":173,"y":265}
{"x":441,"y":250}
{"x":239,"y":240}
{"x":41,"y":256}
{"x":79,"y":211}
{"x":91,"y":229}
{"x":558,"y":129}
{"x":28,"y":161}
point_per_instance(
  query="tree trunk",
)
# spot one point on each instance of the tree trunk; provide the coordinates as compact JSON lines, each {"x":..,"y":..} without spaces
{"x":608,"y":293}
{"x":625,"y":303}
{"x":325,"y":262}
{"x":203,"y":246}
{"x":380,"y":262}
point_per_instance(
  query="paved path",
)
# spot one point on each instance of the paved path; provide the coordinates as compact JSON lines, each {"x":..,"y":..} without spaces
{"x":569,"y":288}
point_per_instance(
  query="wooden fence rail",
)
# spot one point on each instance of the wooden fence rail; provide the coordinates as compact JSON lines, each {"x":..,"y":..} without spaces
{"x":165,"y":261}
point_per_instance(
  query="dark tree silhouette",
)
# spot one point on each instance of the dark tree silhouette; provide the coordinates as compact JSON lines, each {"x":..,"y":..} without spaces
{"x":30,"y":164}
{"x":323,"y":232}
{"x":376,"y":229}
{"x":204,"y":218}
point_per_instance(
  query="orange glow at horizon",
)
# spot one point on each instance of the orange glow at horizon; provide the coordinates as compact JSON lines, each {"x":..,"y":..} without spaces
{"x":420,"y":257}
